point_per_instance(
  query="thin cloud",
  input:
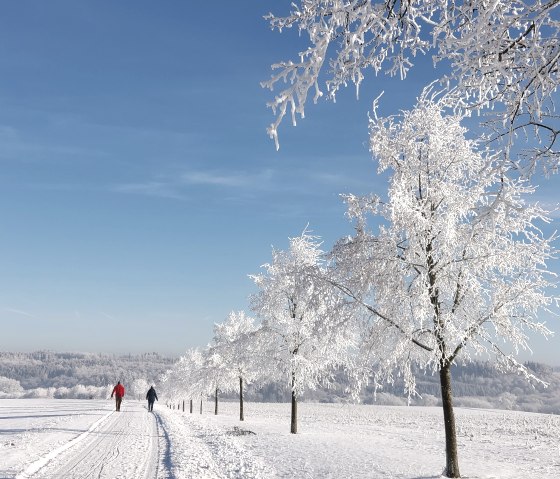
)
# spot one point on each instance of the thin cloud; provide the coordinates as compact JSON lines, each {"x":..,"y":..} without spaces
{"x":205,"y":178}
{"x":341,"y":181}
{"x":271,"y":180}
{"x":300,"y":180}
{"x":19,"y":312}
{"x":237,"y":180}
{"x":175,"y":186}
{"x":152,"y":188}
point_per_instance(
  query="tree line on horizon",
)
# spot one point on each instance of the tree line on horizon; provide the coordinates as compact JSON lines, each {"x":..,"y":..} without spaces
{"x":49,"y":369}
{"x":477,"y":384}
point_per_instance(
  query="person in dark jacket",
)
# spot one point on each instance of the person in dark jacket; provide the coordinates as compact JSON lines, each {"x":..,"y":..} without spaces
{"x":118,"y":392}
{"x":151,"y":397}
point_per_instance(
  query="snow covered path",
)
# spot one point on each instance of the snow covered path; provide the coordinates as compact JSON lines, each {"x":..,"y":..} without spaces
{"x":82,"y":439}
{"x":121,"y":445}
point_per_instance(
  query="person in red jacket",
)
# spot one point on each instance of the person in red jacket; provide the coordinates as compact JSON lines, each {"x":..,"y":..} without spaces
{"x":118,"y":392}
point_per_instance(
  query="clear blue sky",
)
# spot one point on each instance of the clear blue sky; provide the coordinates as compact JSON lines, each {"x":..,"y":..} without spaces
{"x":138,"y":187}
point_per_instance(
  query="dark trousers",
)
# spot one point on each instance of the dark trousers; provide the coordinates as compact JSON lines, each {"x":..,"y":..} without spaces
{"x":150,"y":405}
{"x":118,"y":401}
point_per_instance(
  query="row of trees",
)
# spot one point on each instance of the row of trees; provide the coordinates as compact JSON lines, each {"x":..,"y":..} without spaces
{"x":453,"y":267}
{"x":460,"y":262}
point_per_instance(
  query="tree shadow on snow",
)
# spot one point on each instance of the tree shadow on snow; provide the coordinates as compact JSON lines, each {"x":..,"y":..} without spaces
{"x":167,"y":462}
{"x":35,"y":416}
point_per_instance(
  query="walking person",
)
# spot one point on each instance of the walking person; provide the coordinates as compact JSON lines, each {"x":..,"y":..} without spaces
{"x":118,"y":392}
{"x":151,"y":396}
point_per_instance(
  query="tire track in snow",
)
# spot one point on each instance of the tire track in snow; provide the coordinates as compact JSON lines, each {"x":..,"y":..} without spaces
{"x":124,"y":446}
{"x":41,"y":462}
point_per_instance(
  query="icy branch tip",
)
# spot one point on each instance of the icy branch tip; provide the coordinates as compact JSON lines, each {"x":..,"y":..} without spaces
{"x":375,"y":104}
{"x":273,"y":135}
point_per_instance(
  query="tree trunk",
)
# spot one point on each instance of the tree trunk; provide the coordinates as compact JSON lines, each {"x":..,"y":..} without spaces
{"x":452,"y":460}
{"x":200,"y":405}
{"x":191,"y":405}
{"x":216,"y":402}
{"x":241,"y":417}
{"x":293,"y":426}
{"x":183,"y":405}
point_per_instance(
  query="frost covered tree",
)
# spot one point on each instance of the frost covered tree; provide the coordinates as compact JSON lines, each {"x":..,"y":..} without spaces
{"x":139,"y":388}
{"x":499,"y":56}
{"x":458,"y":266}
{"x":215,"y":373}
{"x":297,"y":332}
{"x":184,"y":379}
{"x":234,"y":339}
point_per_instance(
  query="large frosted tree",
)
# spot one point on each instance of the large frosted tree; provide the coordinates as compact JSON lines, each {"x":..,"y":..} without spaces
{"x":298,"y":335}
{"x":458,"y":264}
{"x":500,"y":56}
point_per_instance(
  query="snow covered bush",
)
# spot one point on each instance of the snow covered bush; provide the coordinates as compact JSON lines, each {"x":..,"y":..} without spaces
{"x":507,"y":401}
{"x":10,"y":388}
{"x":474,"y":402}
{"x":62,"y":393}
{"x":426,"y":400}
{"x":385,"y":399}
{"x":40,"y":393}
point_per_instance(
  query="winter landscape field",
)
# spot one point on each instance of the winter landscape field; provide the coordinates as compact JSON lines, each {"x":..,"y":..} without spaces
{"x":401,"y":247}
{"x":46,"y":438}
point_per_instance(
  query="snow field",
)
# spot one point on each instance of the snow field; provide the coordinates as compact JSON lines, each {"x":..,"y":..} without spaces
{"x":83,"y":439}
{"x":383,"y":442}
{"x":30,"y":429}
{"x":200,"y":449}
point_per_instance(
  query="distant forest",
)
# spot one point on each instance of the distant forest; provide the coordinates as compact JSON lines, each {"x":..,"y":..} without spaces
{"x":49,"y":369}
{"x":477,"y":384}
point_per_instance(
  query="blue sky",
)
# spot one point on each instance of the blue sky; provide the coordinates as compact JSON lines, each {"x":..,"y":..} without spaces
{"x":138,"y":187}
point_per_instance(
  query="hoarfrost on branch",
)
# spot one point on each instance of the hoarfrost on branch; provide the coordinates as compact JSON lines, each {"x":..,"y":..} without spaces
{"x":459,"y":258}
{"x":497,"y":58}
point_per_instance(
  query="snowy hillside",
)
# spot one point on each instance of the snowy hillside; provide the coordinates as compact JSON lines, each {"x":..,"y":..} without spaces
{"x":72,"y":439}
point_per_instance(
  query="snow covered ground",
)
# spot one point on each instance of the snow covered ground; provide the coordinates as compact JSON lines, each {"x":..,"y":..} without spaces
{"x":42,"y":438}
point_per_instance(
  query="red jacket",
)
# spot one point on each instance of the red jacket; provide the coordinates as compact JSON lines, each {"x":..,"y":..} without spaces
{"x":118,"y":391}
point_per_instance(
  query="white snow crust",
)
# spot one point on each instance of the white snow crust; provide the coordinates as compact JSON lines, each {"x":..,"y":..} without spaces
{"x":48,"y":438}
